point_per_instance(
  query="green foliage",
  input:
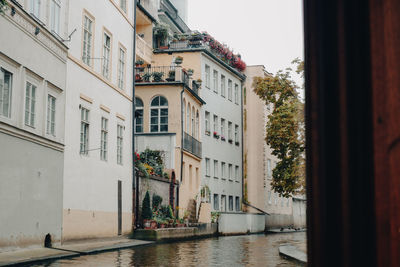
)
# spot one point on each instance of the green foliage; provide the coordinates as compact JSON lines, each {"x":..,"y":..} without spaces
{"x":147,"y":213}
{"x":166,"y":212}
{"x":3,"y":6}
{"x":285,"y":130}
{"x":146,"y":77}
{"x":154,"y":159}
{"x":156,"y":201}
{"x":157,"y":76}
{"x":214,"y":216}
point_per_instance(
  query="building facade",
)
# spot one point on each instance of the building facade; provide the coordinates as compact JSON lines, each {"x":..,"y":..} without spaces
{"x":33,"y":67}
{"x":258,"y":158}
{"x":97,"y":187}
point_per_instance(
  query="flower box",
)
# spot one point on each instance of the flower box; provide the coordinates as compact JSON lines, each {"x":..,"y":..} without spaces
{"x":208,"y":133}
{"x":216,"y":135}
{"x":237,"y":143}
{"x":230,"y":141}
{"x":223,"y":138}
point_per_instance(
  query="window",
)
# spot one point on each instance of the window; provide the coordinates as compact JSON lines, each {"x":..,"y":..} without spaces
{"x":5,"y":93}
{"x":208,"y":73}
{"x":188,"y":118}
{"x":207,"y":167}
{"x":230,"y":90}
{"x":159,"y":115}
{"x":216,"y":202}
{"x":230,"y":203}
{"x":122,"y":5}
{"x":269,"y":169}
{"x":230,"y":170}
{"x":223,"y":175}
{"x":223,"y":89}
{"x":229,"y":131}
{"x":222,"y":129}
{"x":237,"y":201}
{"x":236,"y":94}
{"x":183,"y":172}
{"x":104,"y":137}
{"x":215,"y":81}
{"x":193,"y":122}
{"x":207,"y":122}
{"x":216,"y":168}
{"x":87,"y":40}
{"x":223,"y":203}
{"x":138,"y":115}
{"x":236,"y":134}
{"x":215,"y":123}
{"x":106,"y":55}
{"x":84,"y":142}
{"x":287,"y":202}
{"x":30,"y":103}
{"x":35,"y":8}
{"x":120,"y":143}
{"x":55,"y":16}
{"x":51,"y":115}
{"x":275,"y":198}
{"x":197,"y":125}
{"x":121,"y":69}
{"x":236,"y":173}
{"x":269,"y":197}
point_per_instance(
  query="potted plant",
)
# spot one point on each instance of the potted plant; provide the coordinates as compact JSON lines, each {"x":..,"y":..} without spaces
{"x":138,"y":78}
{"x":139,"y":62}
{"x":157,"y":76}
{"x":223,"y":138}
{"x":230,"y":141}
{"x":147,"y":213}
{"x":199,"y":81}
{"x":237,"y":143}
{"x":161,"y":35}
{"x":208,"y":132}
{"x":171,"y":76}
{"x":147,"y":76}
{"x":216,"y":135}
{"x":178,"y":60}
{"x":190,"y":72}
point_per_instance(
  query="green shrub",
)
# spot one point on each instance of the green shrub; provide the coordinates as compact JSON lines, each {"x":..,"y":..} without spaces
{"x":147,"y":213}
{"x":156,"y":202}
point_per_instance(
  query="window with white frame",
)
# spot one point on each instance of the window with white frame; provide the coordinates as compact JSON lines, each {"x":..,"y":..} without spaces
{"x":269,"y":169}
{"x":87,"y":40}
{"x":55,"y":6}
{"x":216,"y":168}
{"x":193,"y":122}
{"x":223,"y":89}
{"x":138,"y":115}
{"x":122,"y":5}
{"x":120,"y":143}
{"x":121,"y":69}
{"x":236,"y":94}
{"x":207,"y":73}
{"x":222,"y":129}
{"x":104,"y":139}
{"x":35,"y":8}
{"x":51,"y":115}
{"x":207,"y":122}
{"x":216,"y":202}
{"x":216,"y":123}
{"x":5,"y":93}
{"x":197,"y":125}
{"x":215,"y":81}
{"x":159,"y":115}
{"x":223,"y":169}
{"x":230,"y":169}
{"x":30,"y":104}
{"x":236,"y":173}
{"x":230,"y":203}
{"x":208,"y":167}
{"x":188,"y":118}
{"x":230,"y":131}
{"x":84,"y":137}
{"x":236,"y":134}
{"x":106,"y":55}
{"x":237,"y":203}
{"x":230,"y":90}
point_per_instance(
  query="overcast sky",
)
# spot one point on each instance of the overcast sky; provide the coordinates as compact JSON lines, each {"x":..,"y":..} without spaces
{"x":264,"y":32}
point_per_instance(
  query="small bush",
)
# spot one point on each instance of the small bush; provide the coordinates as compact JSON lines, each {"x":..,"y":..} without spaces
{"x":147,"y":213}
{"x":156,"y":202}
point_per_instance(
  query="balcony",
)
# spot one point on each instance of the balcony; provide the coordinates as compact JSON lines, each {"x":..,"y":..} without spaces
{"x":150,"y":6}
{"x":143,"y":49}
{"x":171,"y":14}
{"x":191,"y":145}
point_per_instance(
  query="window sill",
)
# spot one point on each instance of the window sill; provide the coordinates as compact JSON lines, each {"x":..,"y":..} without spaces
{"x":237,"y":182}
{"x":208,"y":176}
{"x":215,"y":177}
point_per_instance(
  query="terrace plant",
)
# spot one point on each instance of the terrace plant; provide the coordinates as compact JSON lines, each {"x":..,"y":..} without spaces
{"x":146,"y":77}
{"x":157,"y":76}
{"x":147,"y":213}
{"x":3,"y":6}
{"x":178,"y":60}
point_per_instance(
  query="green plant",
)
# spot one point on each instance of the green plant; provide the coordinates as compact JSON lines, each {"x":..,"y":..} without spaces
{"x":171,"y":74}
{"x":157,"y":76}
{"x":178,"y":60}
{"x":214,"y":216}
{"x":139,"y":62}
{"x":190,"y":72}
{"x":156,"y":201}
{"x":147,"y":213}
{"x":154,"y":159}
{"x":3,"y":6}
{"x":146,"y":77}
{"x":166,"y":175}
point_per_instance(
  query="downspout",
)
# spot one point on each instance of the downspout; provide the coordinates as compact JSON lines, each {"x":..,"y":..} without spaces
{"x":241,"y":110}
{"x":182,"y":109}
{"x":135,"y":184}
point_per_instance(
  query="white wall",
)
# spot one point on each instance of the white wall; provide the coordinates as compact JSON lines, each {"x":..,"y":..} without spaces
{"x":241,"y":223}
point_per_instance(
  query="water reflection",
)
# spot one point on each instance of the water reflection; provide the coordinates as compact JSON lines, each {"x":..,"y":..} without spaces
{"x":250,"y":250}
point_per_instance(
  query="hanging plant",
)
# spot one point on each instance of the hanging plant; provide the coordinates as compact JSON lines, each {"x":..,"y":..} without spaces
{"x":3,"y":6}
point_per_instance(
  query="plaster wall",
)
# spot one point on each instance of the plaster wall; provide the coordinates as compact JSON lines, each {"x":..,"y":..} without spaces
{"x":244,"y":223}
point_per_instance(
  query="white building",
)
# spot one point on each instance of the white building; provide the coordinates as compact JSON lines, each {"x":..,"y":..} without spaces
{"x":33,"y":64}
{"x":97,"y":187}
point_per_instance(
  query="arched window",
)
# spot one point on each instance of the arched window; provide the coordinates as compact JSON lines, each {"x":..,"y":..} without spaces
{"x":197,"y":125}
{"x":159,"y":115}
{"x":138,"y":115}
{"x":193,"y":122}
{"x":188,"y":118}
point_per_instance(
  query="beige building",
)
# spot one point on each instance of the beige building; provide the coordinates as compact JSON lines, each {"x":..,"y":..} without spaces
{"x":258,"y":159}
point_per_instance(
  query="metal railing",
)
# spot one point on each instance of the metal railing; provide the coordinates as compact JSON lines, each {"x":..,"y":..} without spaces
{"x":161,"y":74}
{"x":166,"y":6}
{"x":192,"y":145}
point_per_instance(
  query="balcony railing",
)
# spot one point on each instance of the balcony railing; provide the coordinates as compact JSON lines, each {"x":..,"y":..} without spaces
{"x":161,"y":74}
{"x":143,"y":49}
{"x":192,"y":145}
{"x":166,"y":6}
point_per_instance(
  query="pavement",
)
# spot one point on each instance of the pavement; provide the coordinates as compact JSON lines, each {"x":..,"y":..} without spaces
{"x":293,"y":253}
{"x":69,"y":249}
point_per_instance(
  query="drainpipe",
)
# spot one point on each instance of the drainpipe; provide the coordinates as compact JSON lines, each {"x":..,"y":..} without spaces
{"x":135,"y":183}
{"x":179,"y":183}
{"x":241,"y":110}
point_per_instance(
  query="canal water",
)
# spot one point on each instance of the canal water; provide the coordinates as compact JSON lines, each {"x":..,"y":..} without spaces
{"x":248,"y":250}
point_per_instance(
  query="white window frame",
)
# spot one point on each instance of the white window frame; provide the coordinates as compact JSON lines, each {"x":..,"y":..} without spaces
{"x":208,"y":167}
{"x":207,"y":74}
{"x":55,"y":16}
{"x":230,"y":130}
{"x":236,"y":133}
{"x":236,"y":173}
{"x":193,"y":122}
{"x":215,"y":81}
{"x":159,"y":109}
{"x":120,"y":143}
{"x":223,"y":128}
{"x":121,"y":68}
{"x":104,"y":139}
{"x":223,"y":167}
{"x":230,"y":172}
{"x":106,"y":68}
{"x":51,"y":115}
{"x":87,"y":39}
{"x":84,"y":131}
{"x":197,"y":124}
{"x":30,"y":104}
{"x":215,"y":122}
{"x":5,"y":93}
{"x":223,"y":85}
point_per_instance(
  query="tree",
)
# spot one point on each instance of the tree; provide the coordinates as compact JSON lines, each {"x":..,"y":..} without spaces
{"x":285,"y":130}
{"x":147,"y":213}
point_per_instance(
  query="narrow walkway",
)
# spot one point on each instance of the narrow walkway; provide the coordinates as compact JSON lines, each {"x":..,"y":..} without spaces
{"x":69,"y":249}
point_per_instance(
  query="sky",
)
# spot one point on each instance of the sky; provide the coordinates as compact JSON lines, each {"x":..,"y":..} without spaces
{"x":264,"y":32}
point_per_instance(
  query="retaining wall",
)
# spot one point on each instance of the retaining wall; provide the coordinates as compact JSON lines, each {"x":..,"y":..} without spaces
{"x":240,"y":223}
